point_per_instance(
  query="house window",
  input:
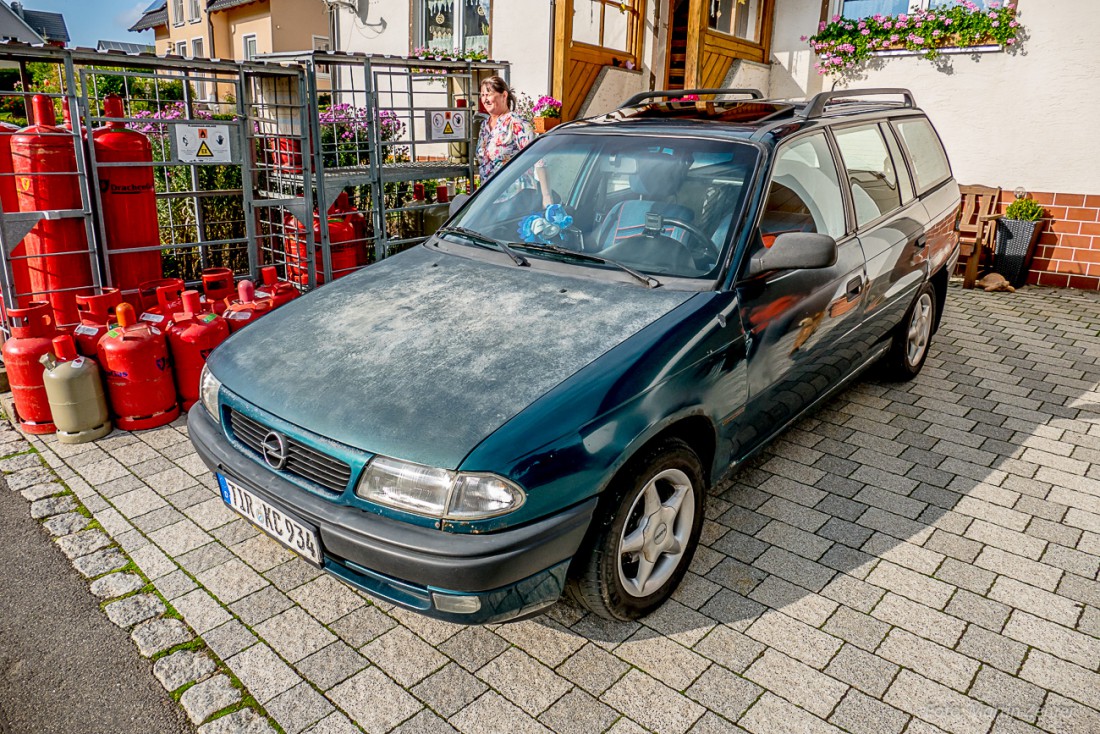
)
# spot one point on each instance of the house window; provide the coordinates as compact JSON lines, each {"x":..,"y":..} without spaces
{"x":738,"y":18}
{"x":866,"y":8}
{"x":177,"y":12}
{"x":449,"y":25}
{"x":606,"y":23}
{"x":322,"y":43}
{"x":193,"y":11}
{"x":198,"y":53}
{"x":181,"y":48}
{"x":249,"y":47}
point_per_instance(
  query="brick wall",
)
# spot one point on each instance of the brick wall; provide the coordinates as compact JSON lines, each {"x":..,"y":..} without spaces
{"x":1068,"y":251}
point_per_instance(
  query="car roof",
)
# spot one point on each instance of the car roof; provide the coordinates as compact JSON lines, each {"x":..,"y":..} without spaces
{"x":754,"y":118}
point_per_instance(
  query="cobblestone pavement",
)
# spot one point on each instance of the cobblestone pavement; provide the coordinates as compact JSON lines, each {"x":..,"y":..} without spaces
{"x":916,"y":557}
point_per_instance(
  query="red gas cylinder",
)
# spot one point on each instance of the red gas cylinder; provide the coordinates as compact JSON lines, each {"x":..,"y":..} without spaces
{"x":160,"y":299}
{"x":218,"y":286}
{"x":9,"y":200}
{"x":97,"y":314}
{"x":32,"y":330}
{"x":128,"y":201}
{"x":134,"y":357}
{"x":44,"y":159}
{"x":281,"y":291}
{"x":342,"y":245}
{"x":191,"y":338}
{"x":343,"y":209}
{"x":248,"y":307}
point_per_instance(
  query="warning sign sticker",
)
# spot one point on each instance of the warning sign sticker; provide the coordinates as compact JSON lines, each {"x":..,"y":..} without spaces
{"x":447,"y":124}
{"x":203,"y":144}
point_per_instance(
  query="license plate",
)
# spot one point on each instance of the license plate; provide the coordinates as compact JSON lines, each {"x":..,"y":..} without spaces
{"x":297,"y":536}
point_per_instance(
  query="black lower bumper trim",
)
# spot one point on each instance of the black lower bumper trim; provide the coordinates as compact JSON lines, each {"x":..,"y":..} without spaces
{"x":424,"y":556}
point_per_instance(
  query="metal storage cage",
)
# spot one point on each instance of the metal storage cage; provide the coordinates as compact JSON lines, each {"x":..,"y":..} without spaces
{"x":394,"y":136}
{"x":46,"y":227}
{"x":318,"y":163}
{"x":206,"y":211}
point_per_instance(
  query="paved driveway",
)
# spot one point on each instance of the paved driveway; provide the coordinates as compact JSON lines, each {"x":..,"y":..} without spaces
{"x":915,"y":557}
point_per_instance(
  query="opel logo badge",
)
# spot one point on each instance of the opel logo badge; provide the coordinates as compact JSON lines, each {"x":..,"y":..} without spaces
{"x":274,"y":450}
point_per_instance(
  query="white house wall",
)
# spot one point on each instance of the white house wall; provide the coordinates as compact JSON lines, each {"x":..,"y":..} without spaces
{"x":520,"y":33}
{"x":1007,"y":119}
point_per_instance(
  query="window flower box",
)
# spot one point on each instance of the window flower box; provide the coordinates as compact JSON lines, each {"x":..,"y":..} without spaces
{"x":846,"y":43}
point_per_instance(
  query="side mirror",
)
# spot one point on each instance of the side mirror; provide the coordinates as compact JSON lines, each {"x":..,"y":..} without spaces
{"x":795,"y":250}
{"x":457,"y":203}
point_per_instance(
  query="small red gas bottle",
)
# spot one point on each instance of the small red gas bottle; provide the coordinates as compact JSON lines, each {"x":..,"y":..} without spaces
{"x":193,"y":335}
{"x":32,"y":330}
{"x":281,"y":291}
{"x":218,"y":287}
{"x":97,"y":313}
{"x":248,"y":307}
{"x":354,"y":218}
{"x":134,"y":357}
{"x":160,"y":299}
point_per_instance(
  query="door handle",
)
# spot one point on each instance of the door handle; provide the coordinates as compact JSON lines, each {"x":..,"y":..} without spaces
{"x":855,"y":286}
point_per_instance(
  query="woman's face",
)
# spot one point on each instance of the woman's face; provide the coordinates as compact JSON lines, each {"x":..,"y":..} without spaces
{"x":495,"y":103}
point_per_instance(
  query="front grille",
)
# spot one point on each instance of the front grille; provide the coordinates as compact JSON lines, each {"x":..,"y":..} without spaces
{"x":307,"y":463}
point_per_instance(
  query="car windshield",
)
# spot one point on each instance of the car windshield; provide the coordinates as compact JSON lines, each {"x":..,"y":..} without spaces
{"x":662,"y":206}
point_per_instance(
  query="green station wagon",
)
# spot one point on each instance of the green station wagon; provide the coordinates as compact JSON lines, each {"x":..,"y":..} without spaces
{"x":535,"y":401}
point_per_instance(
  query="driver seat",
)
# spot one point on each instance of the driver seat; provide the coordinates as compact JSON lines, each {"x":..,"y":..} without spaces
{"x":656,"y":181}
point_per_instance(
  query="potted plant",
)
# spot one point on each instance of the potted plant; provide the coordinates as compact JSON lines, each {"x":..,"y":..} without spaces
{"x":1017,"y":232}
{"x":547,"y":113}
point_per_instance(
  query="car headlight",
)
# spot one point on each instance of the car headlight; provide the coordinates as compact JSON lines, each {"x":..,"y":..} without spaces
{"x":437,"y":492}
{"x":209,"y":388}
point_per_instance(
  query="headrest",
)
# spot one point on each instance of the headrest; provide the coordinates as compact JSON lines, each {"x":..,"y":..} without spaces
{"x":659,"y":175}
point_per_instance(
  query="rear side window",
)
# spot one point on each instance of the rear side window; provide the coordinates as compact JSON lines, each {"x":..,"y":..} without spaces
{"x":871,"y":172}
{"x":930,"y":166}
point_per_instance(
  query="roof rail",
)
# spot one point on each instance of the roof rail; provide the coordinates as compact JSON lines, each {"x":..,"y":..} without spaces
{"x":815,"y":107}
{"x":642,"y":96}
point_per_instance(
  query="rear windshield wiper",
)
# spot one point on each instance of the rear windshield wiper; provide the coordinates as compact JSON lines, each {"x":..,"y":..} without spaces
{"x":482,"y":239}
{"x":647,"y":280}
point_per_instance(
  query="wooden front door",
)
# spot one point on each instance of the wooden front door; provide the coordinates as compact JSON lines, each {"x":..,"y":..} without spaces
{"x":589,"y":35}
{"x":721,"y":31}
{"x":677,"y":44}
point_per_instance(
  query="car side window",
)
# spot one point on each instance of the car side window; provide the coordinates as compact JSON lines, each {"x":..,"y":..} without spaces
{"x":804,"y":192}
{"x":930,"y":165}
{"x":906,"y":184}
{"x":871,"y":171}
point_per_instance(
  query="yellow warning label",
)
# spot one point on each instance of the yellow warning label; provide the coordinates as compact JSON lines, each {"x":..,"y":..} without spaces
{"x":204,"y":151}
{"x":447,"y":129}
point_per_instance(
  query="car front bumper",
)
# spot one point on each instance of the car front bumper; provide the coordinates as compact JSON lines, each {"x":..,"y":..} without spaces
{"x":492,"y":577}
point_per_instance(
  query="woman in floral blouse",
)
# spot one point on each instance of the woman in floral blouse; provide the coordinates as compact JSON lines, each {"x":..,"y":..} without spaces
{"x":505,"y":133}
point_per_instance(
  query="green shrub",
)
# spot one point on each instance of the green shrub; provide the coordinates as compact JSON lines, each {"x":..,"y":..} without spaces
{"x":1026,"y":209}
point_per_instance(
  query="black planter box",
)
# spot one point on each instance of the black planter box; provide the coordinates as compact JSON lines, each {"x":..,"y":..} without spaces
{"x":1016,"y":240}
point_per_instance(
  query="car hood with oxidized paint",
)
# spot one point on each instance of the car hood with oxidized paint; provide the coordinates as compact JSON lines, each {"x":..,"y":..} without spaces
{"x":424,"y":355}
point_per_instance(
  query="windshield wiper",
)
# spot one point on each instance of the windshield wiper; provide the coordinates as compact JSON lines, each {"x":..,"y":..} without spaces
{"x":647,"y":280}
{"x":482,"y":239}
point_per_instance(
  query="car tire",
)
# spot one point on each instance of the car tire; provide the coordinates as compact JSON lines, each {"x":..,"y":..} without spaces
{"x":913,"y":338}
{"x":647,"y":534}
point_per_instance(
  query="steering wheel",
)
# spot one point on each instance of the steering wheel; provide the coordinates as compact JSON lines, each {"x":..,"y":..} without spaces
{"x":703,"y":251}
